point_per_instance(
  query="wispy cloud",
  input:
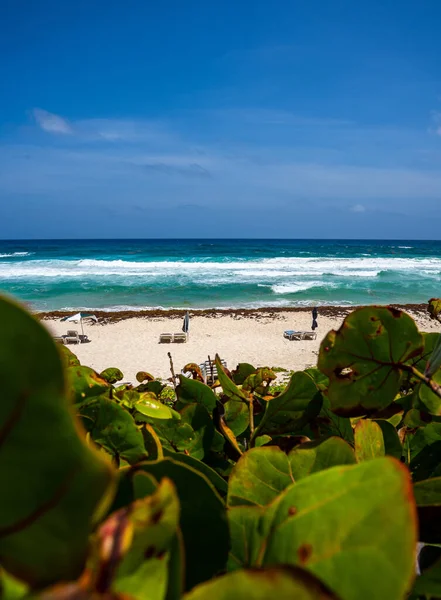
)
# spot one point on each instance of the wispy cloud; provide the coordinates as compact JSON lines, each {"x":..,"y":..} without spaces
{"x":51,"y":122}
{"x":358,"y":208}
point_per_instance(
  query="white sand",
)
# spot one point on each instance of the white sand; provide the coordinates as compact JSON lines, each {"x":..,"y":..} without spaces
{"x":132,"y":344}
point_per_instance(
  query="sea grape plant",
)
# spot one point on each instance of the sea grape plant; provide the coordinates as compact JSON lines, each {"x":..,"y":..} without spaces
{"x":239,"y":490}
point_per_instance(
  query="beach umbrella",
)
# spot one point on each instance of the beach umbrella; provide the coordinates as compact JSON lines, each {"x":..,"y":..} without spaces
{"x":80,"y":317}
{"x":314,"y":318}
{"x":186,"y":323}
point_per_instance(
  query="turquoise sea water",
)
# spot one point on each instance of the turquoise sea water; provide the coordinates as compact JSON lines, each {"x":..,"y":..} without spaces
{"x":123,"y":274}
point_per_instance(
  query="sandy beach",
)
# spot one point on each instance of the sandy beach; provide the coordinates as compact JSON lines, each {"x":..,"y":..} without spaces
{"x":132,"y":344}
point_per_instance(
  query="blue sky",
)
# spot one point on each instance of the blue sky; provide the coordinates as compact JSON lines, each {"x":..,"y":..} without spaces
{"x":220,"y":119}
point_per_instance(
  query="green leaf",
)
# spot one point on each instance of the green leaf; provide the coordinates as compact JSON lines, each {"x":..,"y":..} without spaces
{"x":262,"y":440}
{"x":435,"y":308}
{"x":312,"y":457}
{"x":369,"y":442}
{"x":68,"y":358}
{"x":230,"y":389}
{"x":428,"y":585}
{"x":425,"y":452}
{"x":364,"y":359}
{"x":237,"y":416}
{"x":354,"y":527}
{"x":191,"y":391}
{"x":152,"y":442}
{"x":241,"y":372}
{"x":431,"y":401}
{"x":330,"y":424}
{"x":148,"y":406}
{"x":113,"y":428}
{"x":293,"y":408}
{"x":392,"y":444}
{"x":284,"y":583}
{"x":213,"y":477}
{"x":256,"y":381}
{"x":152,"y":523}
{"x":259,"y":476}
{"x":112,"y":375}
{"x":85,"y":383}
{"x":203,"y":519}
{"x":45,"y":465}
{"x":193,"y":434}
{"x":428,"y":499}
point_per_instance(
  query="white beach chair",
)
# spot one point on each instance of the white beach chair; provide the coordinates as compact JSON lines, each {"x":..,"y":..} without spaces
{"x":165,"y":338}
{"x":72,"y":337}
{"x":209,"y":371}
{"x":309,"y":335}
{"x":180,"y":337}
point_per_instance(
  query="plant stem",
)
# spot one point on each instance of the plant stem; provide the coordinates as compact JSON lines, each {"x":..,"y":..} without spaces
{"x":251,"y":416}
{"x":435,"y":387}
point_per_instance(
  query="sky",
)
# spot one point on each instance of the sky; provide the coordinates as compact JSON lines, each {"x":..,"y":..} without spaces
{"x":282,"y":119}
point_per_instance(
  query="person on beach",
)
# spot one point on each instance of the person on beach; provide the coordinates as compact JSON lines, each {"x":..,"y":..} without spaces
{"x":314,"y":318}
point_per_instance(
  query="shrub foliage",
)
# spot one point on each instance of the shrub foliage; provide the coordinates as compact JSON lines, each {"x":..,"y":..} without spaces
{"x":246,"y":490}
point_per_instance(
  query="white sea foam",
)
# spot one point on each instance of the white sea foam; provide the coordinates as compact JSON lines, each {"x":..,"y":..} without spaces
{"x":14,"y":254}
{"x":305,"y":270}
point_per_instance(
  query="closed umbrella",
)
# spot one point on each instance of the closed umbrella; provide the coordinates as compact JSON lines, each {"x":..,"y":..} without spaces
{"x":314,"y":318}
{"x":186,"y":323}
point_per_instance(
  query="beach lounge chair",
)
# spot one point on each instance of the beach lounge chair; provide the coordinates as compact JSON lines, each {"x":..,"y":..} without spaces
{"x":165,"y":338}
{"x":309,"y":335}
{"x":180,"y":337}
{"x":59,"y":339}
{"x":209,"y":371}
{"x":299,"y":335}
{"x":72,"y":337}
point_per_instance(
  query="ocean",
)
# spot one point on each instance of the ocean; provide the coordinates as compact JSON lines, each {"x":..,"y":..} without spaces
{"x":135,"y":274}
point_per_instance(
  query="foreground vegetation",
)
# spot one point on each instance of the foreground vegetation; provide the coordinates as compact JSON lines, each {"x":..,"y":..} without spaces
{"x":319,"y":491}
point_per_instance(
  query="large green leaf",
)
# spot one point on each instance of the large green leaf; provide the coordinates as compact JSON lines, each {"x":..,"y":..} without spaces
{"x":112,"y":375}
{"x":203,"y":519}
{"x":241,"y":372}
{"x":369,"y":442}
{"x":148,"y":406}
{"x":135,"y":541}
{"x":237,"y":416}
{"x":259,"y":476}
{"x":229,"y":388}
{"x":52,"y":483}
{"x":112,"y":427}
{"x":431,"y":401}
{"x":85,"y":383}
{"x":330,"y":424}
{"x":212,"y":476}
{"x":354,"y":527}
{"x":262,"y":473}
{"x":293,"y":408}
{"x":193,"y":434}
{"x":392,"y":444}
{"x":283,"y":583}
{"x":425,"y":452}
{"x":312,"y":457}
{"x":364,"y":359}
{"x":191,"y":391}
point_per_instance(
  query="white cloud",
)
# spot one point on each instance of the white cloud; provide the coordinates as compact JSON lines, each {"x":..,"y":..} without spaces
{"x":51,"y":122}
{"x":358,"y":208}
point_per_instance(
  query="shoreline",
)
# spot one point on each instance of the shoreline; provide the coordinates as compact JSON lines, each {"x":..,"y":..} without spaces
{"x":114,"y":316}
